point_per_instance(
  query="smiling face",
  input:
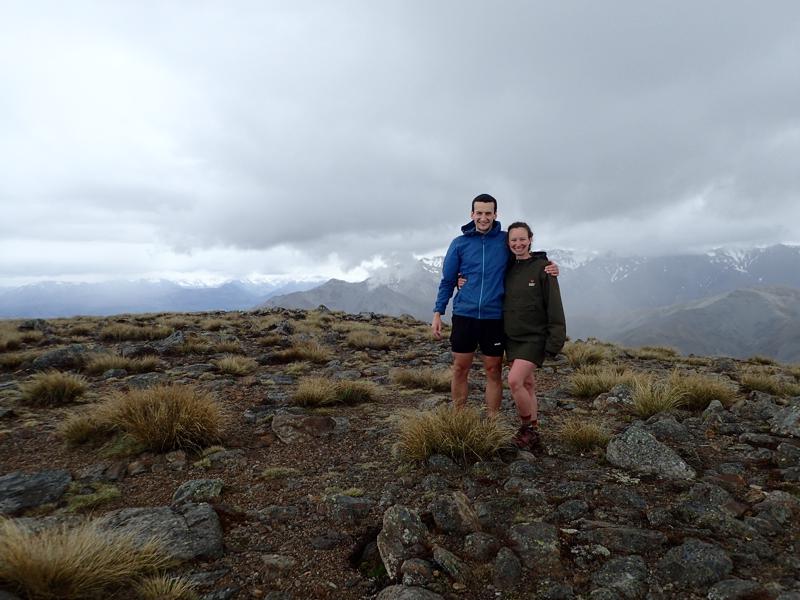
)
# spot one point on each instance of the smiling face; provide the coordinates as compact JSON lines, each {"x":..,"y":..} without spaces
{"x":519,"y":241}
{"x":483,"y":215}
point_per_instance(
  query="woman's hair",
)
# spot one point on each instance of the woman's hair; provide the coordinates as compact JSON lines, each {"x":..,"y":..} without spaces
{"x":521,"y":225}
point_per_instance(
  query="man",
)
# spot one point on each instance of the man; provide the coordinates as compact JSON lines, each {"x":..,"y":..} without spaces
{"x":480,"y":256}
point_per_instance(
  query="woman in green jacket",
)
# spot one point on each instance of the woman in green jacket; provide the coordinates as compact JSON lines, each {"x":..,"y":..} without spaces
{"x":533,"y":319}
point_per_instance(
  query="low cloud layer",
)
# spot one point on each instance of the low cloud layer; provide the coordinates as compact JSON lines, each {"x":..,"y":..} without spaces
{"x":241,"y":138}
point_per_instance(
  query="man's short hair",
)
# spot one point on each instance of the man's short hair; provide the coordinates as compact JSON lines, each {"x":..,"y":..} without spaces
{"x":484,"y":198}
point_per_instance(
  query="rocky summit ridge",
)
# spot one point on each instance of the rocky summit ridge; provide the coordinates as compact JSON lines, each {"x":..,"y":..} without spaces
{"x":297,"y":501}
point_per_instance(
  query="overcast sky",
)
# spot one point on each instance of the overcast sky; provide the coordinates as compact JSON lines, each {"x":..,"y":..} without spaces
{"x":213,"y":140}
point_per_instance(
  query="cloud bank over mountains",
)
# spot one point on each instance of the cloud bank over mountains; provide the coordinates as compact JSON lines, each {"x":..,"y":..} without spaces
{"x":153,"y":139}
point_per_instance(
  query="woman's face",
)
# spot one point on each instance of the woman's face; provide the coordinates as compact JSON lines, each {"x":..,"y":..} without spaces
{"x":519,"y":242}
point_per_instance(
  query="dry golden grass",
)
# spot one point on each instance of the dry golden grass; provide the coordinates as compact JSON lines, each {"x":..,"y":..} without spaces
{"x":765,"y":382}
{"x":653,"y":353}
{"x":762,"y":360}
{"x":435,"y":380}
{"x":369,"y":340}
{"x":794,"y":371}
{"x":163,"y":587}
{"x":13,"y":360}
{"x":52,"y":388}
{"x":348,"y":326}
{"x":592,"y":380}
{"x":306,"y":350}
{"x":699,"y":390}
{"x":120,"y":332}
{"x":165,"y":417}
{"x":583,"y":435}
{"x":213,"y":324}
{"x":269,"y":340}
{"x":581,"y":353}
{"x":84,"y":427}
{"x":695,"y":361}
{"x":651,"y":396}
{"x":319,"y":391}
{"x":73,"y":563}
{"x":235,"y":365}
{"x":100,"y":363}
{"x":227,"y":347}
{"x":81,"y":330}
{"x":463,"y":435}
{"x":176,"y":322}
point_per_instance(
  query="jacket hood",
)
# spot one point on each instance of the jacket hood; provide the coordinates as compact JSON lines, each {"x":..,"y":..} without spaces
{"x":539,"y":255}
{"x":469,"y":229}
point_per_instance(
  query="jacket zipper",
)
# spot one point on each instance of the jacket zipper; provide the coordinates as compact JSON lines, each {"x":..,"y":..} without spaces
{"x":483,"y":269}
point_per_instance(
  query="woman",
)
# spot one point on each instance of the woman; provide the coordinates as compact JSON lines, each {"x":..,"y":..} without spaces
{"x":534,"y":324}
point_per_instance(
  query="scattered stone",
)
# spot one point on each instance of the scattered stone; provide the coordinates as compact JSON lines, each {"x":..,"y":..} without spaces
{"x":169,"y":343}
{"x":570,"y":511}
{"x":507,"y":569}
{"x":257,"y":415}
{"x":198,"y":490}
{"x":6,"y":413}
{"x":176,"y":460}
{"x":416,"y":572}
{"x":349,"y":509}
{"x":787,"y":455}
{"x":481,"y":547}
{"x":667,"y":428}
{"x":275,"y":565}
{"x":639,"y":451}
{"x":279,"y":514}
{"x":450,"y":563}
{"x":402,"y":592}
{"x":778,"y":506}
{"x":146,"y":380}
{"x":626,"y":575}
{"x":452,"y":513}
{"x":624,"y":540}
{"x":736,"y":589}
{"x":439,"y":463}
{"x":20,"y":491}
{"x":70,"y":357}
{"x":786,"y":421}
{"x":694,"y":563}
{"x":189,"y":531}
{"x":536,"y":544}
{"x":292,"y":428}
{"x":327,"y":540}
{"x":402,"y":534}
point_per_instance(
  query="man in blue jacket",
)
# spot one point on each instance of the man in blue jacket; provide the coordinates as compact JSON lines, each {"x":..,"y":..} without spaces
{"x":480,"y":256}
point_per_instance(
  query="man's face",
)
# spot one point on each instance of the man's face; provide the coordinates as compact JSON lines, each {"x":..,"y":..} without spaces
{"x":483,"y":215}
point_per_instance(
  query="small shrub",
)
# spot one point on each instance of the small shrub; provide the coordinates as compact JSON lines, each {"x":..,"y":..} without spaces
{"x":163,"y":587}
{"x":121,"y":332}
{"x":269,"y":340}
{"x":213,"y":324}
{"x":652,"y":396}
{"x":319,"y":391}
{"x":235,"y":365}
{"x":348,"y":326}
{"x":462,"y":434}
{"x":14,"y":360}
{"x":166,"y":417}
{"x":95,"y":495}
{"x":582,"y":435}
{"x":581,"y":353}
{"x":52,"y":388}
{"x":310,"y":351}
{"x":700,"y":391}
{"x":367,"y":340}
{"x":592,"y":380}
{"x":81,"y":330}
{"x":100,"y":363}
{"x":227,"y":347}
{"x":77,"y":562}
{"x":696,"y":361}
{"x":426,"y":379}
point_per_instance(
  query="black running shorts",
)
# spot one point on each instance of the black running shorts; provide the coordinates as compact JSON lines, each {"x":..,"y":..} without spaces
{"x":469,"y":333}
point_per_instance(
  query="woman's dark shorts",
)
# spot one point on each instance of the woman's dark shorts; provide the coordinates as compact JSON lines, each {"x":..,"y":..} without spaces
{"x":469,"y":333}
{"x":530,"y":350}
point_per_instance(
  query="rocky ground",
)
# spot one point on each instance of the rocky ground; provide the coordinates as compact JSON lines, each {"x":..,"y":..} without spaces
{"x":313,"y":503}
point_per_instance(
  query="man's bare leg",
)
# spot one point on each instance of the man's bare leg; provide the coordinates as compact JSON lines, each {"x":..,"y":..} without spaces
{"x":459,"y":386}
{"x":494,"y":384}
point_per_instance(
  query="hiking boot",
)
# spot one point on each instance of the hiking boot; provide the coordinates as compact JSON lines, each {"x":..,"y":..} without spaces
{"x":527,"y":438}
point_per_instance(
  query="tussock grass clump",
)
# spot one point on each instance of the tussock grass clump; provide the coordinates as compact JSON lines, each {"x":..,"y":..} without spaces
{"x":651,"y":396}
{"x":653,"y":353}
{"x":165,"y":417}
{"x":121,"y":332}
{"x":759,"y":359}
{"x":100,"y":363}
{"x":583,"y":435}
{"x":582,"y":353}
{"x":81,"y":330}
{"x":307,"y":350}
{"x":369,"y":340}
{"x":425,"y":379}
{"x":699,"y":391}
{"x":227,"y":347}
{"x":235,"y":365}
{"x":462,"y":435}
{"x":213,"y":324}
{"x":163,"y":587}
{"x":768,"y":383}
{"x":348,"y":326}
{"x":84,"y":427}
{"x":794,"y":370}
{"x":279,"y":472}
{"x":269,"y":340}
{"x":319,"y":391}
{"x":52,"y":388}
{"x":78,"y":562}
{"x":13,"y":360}
{"x":592,"y":380}
{"x":96,"y":495}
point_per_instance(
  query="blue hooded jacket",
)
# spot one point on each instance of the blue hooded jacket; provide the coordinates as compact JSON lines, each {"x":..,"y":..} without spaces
{"x":482,"y":259}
